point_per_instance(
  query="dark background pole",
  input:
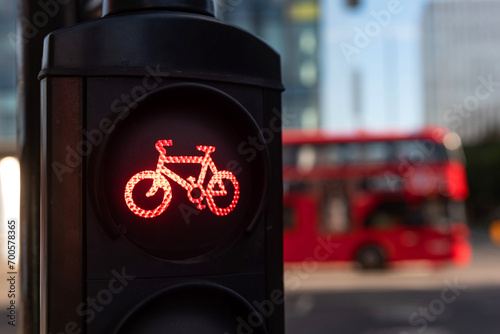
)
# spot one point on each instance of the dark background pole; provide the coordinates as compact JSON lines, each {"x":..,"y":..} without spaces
{"x":34,"y":23}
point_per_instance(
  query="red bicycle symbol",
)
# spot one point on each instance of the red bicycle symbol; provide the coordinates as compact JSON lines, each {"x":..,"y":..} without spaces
{"x":195,"y":190}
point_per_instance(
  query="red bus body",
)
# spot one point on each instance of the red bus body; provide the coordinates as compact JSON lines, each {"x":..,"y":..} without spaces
{"x":400,"y":205}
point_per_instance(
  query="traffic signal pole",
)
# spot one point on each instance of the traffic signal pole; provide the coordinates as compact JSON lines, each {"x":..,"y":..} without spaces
{"x":35,"y":20}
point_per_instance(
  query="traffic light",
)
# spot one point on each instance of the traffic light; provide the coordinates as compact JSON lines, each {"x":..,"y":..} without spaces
{"x":161,"y":174}
{"x":353,"y":3}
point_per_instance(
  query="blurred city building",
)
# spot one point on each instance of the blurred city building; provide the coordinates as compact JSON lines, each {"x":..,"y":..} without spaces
{"x":291,"y":28}
{"x":7,"y":78}
{"x":9,"y":167}
{"x":461,"y":52}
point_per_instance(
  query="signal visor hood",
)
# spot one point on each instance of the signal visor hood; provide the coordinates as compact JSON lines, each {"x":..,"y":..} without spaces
{"x":205,"y":7}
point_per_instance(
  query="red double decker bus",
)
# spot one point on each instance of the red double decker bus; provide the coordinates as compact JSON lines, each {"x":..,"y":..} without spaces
{"x":375,"y":199}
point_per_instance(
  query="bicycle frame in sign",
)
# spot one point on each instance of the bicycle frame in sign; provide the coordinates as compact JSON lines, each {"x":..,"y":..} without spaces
{"x":159,"y":176}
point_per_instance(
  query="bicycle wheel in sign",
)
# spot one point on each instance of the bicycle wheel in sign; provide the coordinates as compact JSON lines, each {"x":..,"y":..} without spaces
{"x":159,"y":181}
{"x":218,"y":179}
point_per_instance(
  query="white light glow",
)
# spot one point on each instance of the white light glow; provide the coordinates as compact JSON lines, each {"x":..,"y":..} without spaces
{"x":10,"y":187}
{"x":10,"y":184}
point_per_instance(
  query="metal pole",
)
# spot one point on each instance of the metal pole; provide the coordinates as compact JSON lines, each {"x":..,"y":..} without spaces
{"x":35,"y":20}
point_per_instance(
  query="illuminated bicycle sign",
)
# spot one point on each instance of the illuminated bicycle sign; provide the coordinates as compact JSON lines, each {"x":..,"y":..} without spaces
{"x":175,"y":177}
{"x":194,"y":187}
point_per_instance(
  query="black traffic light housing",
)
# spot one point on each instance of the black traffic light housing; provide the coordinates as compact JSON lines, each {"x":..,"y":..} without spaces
{"x":162,"y":189}
{"x":205,"y":7}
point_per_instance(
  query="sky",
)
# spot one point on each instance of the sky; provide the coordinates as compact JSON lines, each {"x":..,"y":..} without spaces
{"x":383,"y":51}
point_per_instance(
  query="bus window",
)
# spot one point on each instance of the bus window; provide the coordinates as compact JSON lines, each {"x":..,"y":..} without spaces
{"x":435,"y":212}
{"x":387,"y":215}
{"x":419,"y":151}
{"x":333,"y":154}
{"x":377,"y":152}
{"x":430,"y":213}
{"x":352,"y":152}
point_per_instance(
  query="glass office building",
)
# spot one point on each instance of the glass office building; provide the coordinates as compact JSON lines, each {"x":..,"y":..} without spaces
{"x":461,"y":47}
{"x":7,"y":76}
{"x":291,"y":28}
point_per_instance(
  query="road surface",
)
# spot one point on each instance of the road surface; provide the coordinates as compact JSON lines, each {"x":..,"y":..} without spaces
{"x":403,"y":301}
{"x":412,"y":300}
